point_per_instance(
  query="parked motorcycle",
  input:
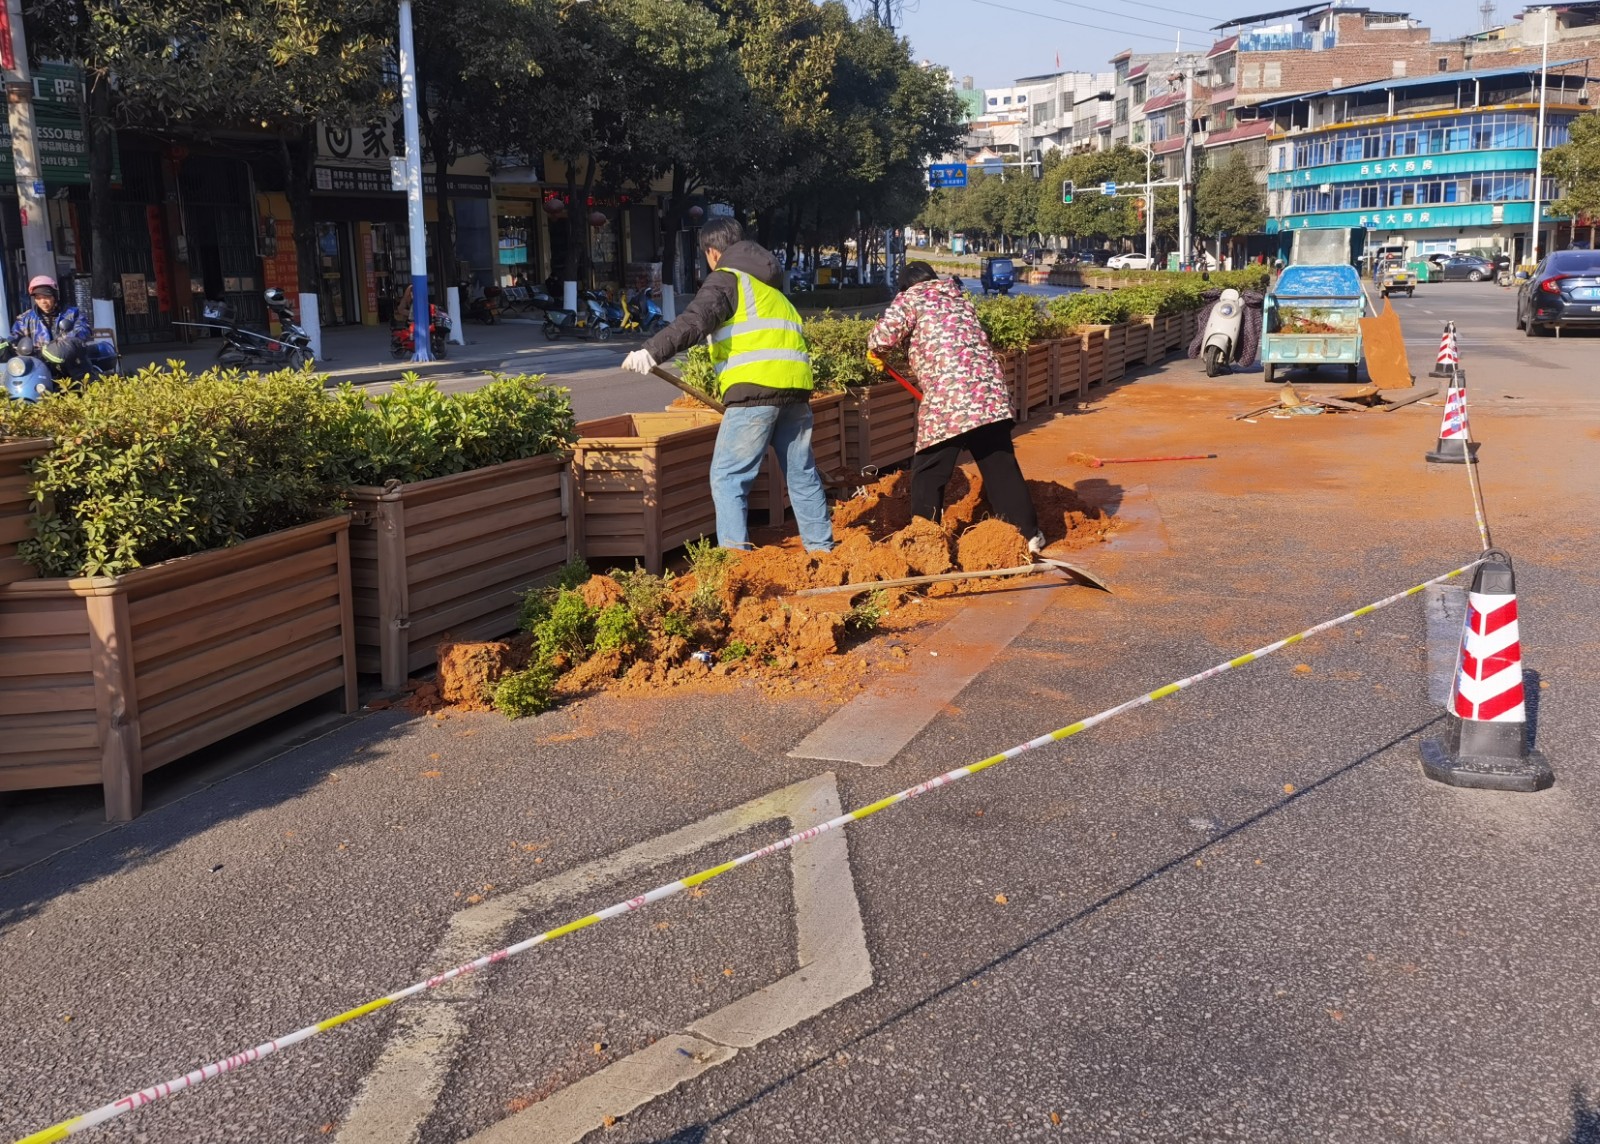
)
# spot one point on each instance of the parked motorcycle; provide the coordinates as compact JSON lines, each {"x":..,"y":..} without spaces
{"x":618,"y":313}
{"x":242,"y":348}
{"x":403,"y":339}
{"x":1230,"y":333}
{"x":647,"y":310}
{"x":29,"y":374}
{"x":483,"y":307}
{"x":588,"y":321}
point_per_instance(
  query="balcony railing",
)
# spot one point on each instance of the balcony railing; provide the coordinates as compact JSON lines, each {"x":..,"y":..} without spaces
{"x":1286,"y":41}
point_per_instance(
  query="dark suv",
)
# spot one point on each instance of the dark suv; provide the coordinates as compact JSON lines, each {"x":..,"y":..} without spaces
{"x":1564,"y":291}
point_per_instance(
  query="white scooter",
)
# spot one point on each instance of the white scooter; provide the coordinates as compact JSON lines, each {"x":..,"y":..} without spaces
{"x":1221,"y":345}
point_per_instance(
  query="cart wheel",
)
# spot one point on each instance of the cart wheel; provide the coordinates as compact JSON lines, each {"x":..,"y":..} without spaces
{"x":1350,"y":374}
{"x":552,"y":331}
{"x":1269,"y":372}
{"x":1412,"y":293}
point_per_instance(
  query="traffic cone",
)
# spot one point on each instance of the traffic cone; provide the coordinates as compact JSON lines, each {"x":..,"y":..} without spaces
{"x":1485,"y":743}
{"x":1449,"y":360}
{"x":1453,"y":447}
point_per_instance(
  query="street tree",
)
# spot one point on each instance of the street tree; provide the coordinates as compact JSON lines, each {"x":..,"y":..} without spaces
{"x":1575,"y":165}
{"x":1228,"y":200}
{"x":1091,"y":214}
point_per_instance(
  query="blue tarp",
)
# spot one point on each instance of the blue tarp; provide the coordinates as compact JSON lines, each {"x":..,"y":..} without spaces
{"x":1318,"y":282}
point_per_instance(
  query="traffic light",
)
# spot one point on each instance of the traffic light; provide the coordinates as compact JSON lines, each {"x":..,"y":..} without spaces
{"x":1138,"y":208}
{"x":1066,"y":190}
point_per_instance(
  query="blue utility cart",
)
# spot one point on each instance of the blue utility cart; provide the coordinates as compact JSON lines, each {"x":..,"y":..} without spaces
{"x":1311,"y":318}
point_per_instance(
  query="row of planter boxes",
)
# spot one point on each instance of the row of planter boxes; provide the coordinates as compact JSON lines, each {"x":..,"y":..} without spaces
{"x":103,"y":679}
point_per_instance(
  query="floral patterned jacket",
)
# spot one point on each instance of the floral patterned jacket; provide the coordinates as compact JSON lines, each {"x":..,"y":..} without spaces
{"x":959,"y":375}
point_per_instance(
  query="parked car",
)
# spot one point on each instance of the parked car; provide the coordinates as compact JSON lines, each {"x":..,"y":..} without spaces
{"x":1128,"y":262}
{"x":997,"y":275}
{"x":1467,"y":266}
{"x":1563,"y":291}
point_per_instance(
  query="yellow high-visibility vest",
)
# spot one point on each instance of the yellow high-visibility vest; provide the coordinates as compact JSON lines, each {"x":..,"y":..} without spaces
{"x":762,"y":343}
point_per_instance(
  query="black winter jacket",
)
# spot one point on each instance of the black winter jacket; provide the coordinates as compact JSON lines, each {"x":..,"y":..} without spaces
{"x":713,"y":306}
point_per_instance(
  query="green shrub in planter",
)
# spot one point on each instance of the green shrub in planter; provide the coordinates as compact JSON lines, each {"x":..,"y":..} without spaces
{"x":166,"y":463}
{"x":414,"y":432}
{"x":1011,"y":323}
{"x":1068,"y":312}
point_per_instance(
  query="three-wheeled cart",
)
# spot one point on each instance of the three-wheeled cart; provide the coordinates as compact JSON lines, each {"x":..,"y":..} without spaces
{"x":1312,"y":318}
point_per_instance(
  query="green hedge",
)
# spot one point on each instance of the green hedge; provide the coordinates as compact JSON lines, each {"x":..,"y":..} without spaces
{"x":166,"y":463}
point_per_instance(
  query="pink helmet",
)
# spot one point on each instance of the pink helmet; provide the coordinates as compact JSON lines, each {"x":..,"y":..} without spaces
{"x":42,"y":282}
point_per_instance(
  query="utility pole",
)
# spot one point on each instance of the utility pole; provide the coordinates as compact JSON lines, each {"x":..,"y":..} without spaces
{"x":1188,"y":161}
{"x":36,"y":245}
{"x":418,"y":229}
{"x":1546,"y":15}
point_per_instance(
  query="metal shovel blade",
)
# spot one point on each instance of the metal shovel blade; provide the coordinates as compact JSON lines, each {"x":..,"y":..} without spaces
{"x":1083,"y":574}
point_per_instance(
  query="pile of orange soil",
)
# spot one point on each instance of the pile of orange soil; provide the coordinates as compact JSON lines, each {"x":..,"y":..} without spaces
{"x":762,"y":630}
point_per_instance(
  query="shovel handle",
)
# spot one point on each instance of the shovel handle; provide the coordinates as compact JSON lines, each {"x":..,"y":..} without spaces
{"x":671,"y":378}
{"x":909,"y":388}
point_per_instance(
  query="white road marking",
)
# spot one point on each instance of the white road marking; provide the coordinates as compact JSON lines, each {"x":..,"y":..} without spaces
{"x":400,"y":1091}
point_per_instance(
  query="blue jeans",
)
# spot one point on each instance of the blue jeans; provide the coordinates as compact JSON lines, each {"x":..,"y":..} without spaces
{"x":741,"y":449}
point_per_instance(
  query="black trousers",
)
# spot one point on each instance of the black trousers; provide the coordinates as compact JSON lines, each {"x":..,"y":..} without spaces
{"x":1003,"y":486}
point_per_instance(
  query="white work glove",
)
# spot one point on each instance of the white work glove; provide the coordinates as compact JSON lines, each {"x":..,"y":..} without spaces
{"x":639,"y":361}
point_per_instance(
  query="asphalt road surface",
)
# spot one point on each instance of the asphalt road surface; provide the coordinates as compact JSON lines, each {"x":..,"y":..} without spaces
{"x":1241,"y":913}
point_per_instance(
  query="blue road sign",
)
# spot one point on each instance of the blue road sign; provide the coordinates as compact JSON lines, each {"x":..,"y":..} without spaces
{"x":947,"y":175}
{"x":1108,"y":188}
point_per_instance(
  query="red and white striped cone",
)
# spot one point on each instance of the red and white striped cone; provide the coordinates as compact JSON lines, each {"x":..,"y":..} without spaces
{"x":1449,"y":360}
{"x":1454,"y":448}
{"x":1485,"y":743}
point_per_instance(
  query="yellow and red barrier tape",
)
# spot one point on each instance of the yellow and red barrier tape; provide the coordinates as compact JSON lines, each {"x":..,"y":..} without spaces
{"x":238,"y":1060}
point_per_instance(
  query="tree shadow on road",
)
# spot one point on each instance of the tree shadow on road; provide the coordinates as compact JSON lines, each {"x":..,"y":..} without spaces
{"x":1585,"y":1118}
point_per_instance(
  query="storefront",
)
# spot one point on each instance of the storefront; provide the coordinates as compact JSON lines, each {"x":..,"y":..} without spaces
{"x":1447,"y":162}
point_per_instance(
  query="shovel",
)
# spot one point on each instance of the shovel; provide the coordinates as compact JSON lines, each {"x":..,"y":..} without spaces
{"x":673,"y":379}
{"x":1044,"y":564}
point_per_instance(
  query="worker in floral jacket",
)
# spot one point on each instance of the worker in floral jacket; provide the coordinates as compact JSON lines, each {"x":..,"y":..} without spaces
{"x":965,"y":404}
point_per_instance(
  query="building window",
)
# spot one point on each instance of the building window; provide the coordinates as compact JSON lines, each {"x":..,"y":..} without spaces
{"x":1022,"y":99}
{"x":1007,"y":101}
{"x":1399,"y":69}
{"x":1444,"y":63}
{"x":993,"y":101}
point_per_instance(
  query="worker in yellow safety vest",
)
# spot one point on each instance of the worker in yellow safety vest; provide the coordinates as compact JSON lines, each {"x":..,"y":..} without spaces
{"x":763,"y":373}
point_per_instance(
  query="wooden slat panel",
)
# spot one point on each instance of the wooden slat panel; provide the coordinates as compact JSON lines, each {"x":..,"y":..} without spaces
{"x":29,"y":774}
{"x":15,"y":525}
{"x":43,"y":616}
{"x":490,"y":500}
{"x":183,"y":672}
{"x":490,"y":580}
{"x":231,"y":627}
{"x":58,"y":695}
{"x":218,"y":702}
{"x":242,"y":718}
{"x":44,"y":659}
{"x":232,"y":581}
{"x":509,"y":546}
{"x":49,"y":733}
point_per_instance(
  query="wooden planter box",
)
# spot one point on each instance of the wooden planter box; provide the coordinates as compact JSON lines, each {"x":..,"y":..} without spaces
{"x":1094,"y":341}
{"x":643,"y":484}
{"x":880,"y":426}
{"x":1171,"y":326}
{"x":1011,"y":365}
{"x":452,"y":556}
{"x":105,"y":678}
{"x":16,"y":503}
{"x":1036,"y":378}
{"x":1142,"y":338}
{"x":1116,"y":351}
{"x":1066,"y":381}
{"x":1191,"y":327}
{"x":771,"y":491}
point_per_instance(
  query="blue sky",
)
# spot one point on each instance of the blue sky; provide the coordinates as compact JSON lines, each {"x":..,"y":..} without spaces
{"x":995,"y":45}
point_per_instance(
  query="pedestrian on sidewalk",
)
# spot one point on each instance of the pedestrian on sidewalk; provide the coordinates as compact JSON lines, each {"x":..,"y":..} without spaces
{"x":965,"y":404}
{"x":763,"y":371}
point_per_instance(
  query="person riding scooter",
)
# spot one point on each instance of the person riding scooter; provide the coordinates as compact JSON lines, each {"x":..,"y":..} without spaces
{"x":59,"y":335}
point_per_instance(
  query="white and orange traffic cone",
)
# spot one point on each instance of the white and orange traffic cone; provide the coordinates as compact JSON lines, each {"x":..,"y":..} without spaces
{"x":1485,"y":743}
{"x":1454,"y":447}
{"x":1449,"y":360}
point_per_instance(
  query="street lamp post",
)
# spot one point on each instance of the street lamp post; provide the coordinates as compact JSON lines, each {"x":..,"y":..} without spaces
{"x":420,"y":324}
{"x":1538,"y":143}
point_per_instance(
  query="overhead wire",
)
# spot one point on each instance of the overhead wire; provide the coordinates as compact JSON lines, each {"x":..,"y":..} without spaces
{"x":1074,"y":23}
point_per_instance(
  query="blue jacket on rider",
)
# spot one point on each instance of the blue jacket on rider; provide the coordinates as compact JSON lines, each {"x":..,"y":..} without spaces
{"x":67,"y":324}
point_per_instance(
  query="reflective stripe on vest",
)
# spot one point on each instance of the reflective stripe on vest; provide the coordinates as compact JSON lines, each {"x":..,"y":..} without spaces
{"x":762,"y":344}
